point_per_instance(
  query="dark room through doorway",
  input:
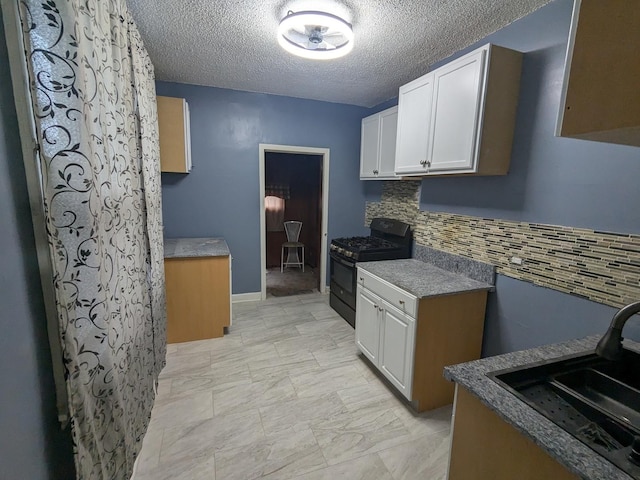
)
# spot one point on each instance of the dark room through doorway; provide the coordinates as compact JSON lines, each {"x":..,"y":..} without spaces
{"x":293,"y":191}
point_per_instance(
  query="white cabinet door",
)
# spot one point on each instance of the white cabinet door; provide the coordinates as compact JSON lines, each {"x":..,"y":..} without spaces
{"x":369,"y":139}
{"x":387,"y":146}
{"x":397,"y":345}
{"x":414,"y":117}
{"x":368,"y":324}
{"x":457,"y":98}
{"x":378,"y":145}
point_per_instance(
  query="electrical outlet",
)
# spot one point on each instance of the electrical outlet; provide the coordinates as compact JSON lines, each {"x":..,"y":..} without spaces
{"x":516,"y":260}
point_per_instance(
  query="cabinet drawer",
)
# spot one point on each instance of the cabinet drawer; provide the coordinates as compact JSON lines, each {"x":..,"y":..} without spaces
{"x":393,"y":295}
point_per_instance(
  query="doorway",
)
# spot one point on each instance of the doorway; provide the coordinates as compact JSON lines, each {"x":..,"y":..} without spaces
{"x":293,"y":186}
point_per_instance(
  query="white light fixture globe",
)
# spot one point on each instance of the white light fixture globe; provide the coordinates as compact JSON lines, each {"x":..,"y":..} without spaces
{"x":315,"y":35}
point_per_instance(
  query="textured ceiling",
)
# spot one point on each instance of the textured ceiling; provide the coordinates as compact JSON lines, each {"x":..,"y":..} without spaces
{"x":232,"y":43}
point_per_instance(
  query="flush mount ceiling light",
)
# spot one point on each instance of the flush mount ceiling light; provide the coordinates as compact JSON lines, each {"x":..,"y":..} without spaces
{"x":315,"y":35}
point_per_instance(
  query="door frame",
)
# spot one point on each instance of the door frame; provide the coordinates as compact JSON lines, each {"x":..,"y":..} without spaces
{"x":272,"y":148}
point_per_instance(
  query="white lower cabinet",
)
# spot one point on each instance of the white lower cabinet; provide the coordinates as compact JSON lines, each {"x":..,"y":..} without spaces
{"x":386,"y":336}
{"x":368,"y":326}
{"x":410,"y":340}
{"x":397,"y":342}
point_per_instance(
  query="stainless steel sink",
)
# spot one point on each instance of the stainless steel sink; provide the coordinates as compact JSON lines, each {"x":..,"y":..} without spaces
{"x":594,"y":399}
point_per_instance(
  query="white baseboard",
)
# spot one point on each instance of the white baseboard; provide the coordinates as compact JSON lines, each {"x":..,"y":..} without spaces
{"x":246,"y":297}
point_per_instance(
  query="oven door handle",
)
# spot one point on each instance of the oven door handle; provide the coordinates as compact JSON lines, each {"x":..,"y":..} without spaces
{"x":344,"y":262}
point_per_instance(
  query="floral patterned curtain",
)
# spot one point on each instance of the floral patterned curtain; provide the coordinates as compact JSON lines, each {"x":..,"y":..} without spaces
{"x":93,"y":96}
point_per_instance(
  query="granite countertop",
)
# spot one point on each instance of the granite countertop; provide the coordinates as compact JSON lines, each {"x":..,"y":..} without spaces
{"x":195,"y":247}
{"x":422,"y":279}
{"x":567,"y":450}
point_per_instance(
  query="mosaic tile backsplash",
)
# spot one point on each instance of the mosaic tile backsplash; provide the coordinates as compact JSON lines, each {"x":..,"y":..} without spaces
{"x":601,"y":266}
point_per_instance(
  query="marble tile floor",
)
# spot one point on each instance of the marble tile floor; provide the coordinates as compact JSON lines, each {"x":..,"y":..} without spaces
{"x":286,"y":395}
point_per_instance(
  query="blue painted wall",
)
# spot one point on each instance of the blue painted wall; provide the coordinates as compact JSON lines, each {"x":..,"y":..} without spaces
{"x":32,"y":446}
{"x":220,"y":197}
{"x":552,"y":180}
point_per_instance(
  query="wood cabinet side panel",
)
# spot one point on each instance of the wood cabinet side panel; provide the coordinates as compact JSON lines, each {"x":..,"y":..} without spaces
{"x":485,"y":447}
{"x":501,"y":104}
{"x":198,"y":298}
{"x":171,"y":132}
{"x":602,"y":86}
{"x":449,"y":331}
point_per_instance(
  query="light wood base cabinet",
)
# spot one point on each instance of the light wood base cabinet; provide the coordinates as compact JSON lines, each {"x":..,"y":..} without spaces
{"x":485,"y":447}
{"x":198,"y":297}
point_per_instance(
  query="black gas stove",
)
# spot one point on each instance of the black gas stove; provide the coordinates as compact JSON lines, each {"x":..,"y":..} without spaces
{"x":365,"y":249}
{"x":389,"y":240}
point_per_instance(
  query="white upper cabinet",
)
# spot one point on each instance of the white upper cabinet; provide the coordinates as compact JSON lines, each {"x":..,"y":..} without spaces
{"x":460,"y":118}
{"x":414,"y":117}
{"x":388,"y":135}
{"x":369,"y":146}
{"x":601,"y":89}
{"x":457,"y":93}
{"x":378,"y":145}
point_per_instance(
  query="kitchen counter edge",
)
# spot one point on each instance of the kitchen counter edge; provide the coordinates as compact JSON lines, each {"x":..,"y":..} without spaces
{"x":567,"y":450}
{"x":422,"y":279}
{"x":195,"y":247}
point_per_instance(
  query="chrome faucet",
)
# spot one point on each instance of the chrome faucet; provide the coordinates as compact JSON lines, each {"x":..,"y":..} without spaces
{"x":610,"y":345}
